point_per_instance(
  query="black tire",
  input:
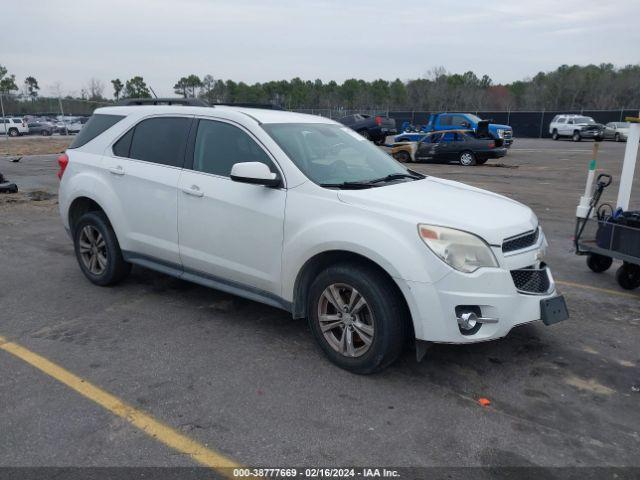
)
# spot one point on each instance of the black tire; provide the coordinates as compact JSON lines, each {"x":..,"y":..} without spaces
{"x":13,"y":132}
{"x":576,"y":136}
{"x":467,"y":158}
{"x":481,"y":161}
{"x":365,"y":134}
{"x":380,"y":141}
{"x":628,"y":276}
{"x":598,"y":263}
{"x":402,"y":156}
{"x":617,"y":137}
{"x":116,"y":268}
{"x":389,"y":316}
{"x":555,"y":135}
{"x":44,"y":133}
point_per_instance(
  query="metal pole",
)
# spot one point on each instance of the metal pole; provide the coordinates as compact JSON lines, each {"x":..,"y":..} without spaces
{"x":629,"y":165}
{"x":541,"y":122}
{"x":4,"y":121}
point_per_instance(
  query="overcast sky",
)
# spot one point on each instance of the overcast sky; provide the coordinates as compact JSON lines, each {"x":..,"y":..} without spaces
{"x":72,"y":41}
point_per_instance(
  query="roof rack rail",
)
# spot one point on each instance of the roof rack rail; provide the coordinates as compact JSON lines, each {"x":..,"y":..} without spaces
{"x":193,"y":102}
{"x":266,"y":106}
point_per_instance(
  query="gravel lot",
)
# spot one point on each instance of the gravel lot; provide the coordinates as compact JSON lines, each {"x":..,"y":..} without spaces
{"x":249,"y":382}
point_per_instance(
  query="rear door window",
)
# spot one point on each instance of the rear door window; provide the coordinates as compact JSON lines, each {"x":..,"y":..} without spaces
{"x":96,"y":125}
{"x":159,"y":140}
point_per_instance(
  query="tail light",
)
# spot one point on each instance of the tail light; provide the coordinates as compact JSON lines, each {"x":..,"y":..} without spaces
{"x":63,"y":161}
{"x":492,"y":144}
{"x":378,"y":120}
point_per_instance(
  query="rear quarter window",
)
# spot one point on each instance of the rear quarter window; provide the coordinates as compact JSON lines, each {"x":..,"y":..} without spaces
{"x":96,"y":125}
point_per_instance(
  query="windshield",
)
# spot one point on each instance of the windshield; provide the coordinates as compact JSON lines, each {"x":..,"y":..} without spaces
{"x":332,"y":154}
{"x":474,"y":118}
{"x":583,"y":120}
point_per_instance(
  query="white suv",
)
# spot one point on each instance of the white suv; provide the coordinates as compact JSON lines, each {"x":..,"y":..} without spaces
{"x":575,"y":126}
{"x":302,"y":213}
{"x":14,"y":127}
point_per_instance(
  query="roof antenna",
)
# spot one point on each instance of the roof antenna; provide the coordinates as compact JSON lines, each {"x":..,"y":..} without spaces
{"x":154,"y":93}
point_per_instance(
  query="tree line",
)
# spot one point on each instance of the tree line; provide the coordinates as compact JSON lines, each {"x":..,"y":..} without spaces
{"x":570,"y":88}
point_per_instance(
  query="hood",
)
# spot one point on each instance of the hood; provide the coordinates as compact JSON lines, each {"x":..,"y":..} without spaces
{"x":590,"y":126}
{"x":449,"y":204}
{"x":497,"y":126}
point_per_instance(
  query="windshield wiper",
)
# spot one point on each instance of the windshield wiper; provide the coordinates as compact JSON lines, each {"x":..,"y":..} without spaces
{"x":397,"y":176}
{"x":348,"y":185}
{"x":374,"y":183}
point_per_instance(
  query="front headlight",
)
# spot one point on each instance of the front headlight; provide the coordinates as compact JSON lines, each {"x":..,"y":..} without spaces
{"x":461,"y":250}
{"x":501,"y":132}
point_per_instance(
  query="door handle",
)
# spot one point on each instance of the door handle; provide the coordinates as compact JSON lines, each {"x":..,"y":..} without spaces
{"x":117,"y":170}
{"x":193,"y":190}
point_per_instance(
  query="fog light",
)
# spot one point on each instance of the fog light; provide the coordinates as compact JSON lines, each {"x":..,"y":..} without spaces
{"x":468,"y":321}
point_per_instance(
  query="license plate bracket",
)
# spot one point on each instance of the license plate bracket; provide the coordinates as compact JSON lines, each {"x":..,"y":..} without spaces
{"x":553,"y":310}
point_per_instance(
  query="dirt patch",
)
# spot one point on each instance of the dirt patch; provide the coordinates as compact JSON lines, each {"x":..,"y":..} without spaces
{"x":589,"y":385}
{"x":33,"y":145}
{"x":40,"y":198}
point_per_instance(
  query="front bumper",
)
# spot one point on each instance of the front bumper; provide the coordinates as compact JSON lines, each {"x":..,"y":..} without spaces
{"x":591,"y":133}
{"x":492,"y":291}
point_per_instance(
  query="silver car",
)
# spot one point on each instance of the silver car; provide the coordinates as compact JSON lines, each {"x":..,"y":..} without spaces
{"x":618,"y":131}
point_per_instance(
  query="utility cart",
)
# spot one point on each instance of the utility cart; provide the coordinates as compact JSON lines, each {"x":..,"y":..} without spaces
{"x":604,"y":232}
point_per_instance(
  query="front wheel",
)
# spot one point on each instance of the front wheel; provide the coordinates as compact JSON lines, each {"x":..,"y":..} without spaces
{"x":357,"y":317}
{"x":617,"y":137}
{"x":467,"y":158}
{"x":598,"y":263}
{"x":628,"y":276}
{"x":14,"y":132}
{"x":576,"y":136}
{"x":555,"y":135}
{"x":98,"y":251}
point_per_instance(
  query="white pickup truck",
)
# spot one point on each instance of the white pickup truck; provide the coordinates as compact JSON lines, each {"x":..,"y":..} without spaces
{"x":14,"y":126}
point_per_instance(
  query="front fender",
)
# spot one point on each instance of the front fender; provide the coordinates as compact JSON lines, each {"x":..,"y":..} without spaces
{"x":395,"y":248}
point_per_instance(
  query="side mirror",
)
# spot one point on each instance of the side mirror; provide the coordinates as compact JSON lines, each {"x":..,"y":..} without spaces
{"x":256,"y":173}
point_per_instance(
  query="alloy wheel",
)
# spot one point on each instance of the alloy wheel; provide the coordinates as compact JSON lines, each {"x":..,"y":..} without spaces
{"x":346,"y":321}
{"x":466,"y":158}
{"x":93,"y":250}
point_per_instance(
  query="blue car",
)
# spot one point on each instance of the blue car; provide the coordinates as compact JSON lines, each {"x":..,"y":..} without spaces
{"x":448,"y":121}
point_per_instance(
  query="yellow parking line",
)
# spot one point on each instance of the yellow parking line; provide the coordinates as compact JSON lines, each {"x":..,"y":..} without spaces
{"x":598,"y":289}
{"x":137,"y":418}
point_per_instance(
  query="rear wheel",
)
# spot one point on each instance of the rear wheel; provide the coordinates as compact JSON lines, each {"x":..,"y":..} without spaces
{"x":628,"y":276}
{"x":555,"y":135}
{"x":358,"y":317}
{"x":44,"y":133}
{"x":98,"y":251}
{"x":598,"y":263}
{"x":402,"y":156}
{"x":467,"y":158}
{"x":576,"y":136}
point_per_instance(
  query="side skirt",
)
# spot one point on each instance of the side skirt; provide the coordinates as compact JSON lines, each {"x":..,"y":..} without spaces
{"x":206,"y":280}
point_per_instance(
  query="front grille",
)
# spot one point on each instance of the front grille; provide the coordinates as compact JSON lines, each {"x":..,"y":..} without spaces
{"x":531,"y":280}
{"x":507,"y":134}
{"x":521,"y":241}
